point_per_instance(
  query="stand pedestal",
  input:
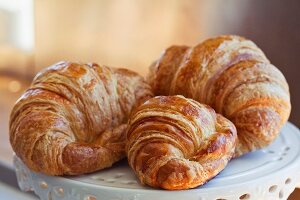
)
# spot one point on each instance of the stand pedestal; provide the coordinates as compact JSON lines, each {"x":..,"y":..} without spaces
{"x":268,"y":174}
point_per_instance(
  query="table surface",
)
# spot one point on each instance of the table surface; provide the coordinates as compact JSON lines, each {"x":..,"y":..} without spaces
{"x":8,"y":192}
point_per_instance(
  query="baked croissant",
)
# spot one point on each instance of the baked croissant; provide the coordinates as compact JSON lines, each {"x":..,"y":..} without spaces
{"x":72,"y":119}
{"x":177,"y":143}
{"x":233,"y":76}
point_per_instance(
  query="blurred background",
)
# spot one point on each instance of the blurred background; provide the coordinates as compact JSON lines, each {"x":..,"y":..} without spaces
{"x":132,"y":33}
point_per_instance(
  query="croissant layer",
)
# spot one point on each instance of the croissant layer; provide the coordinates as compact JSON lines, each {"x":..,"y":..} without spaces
{"x":233,"y":76}
{"x":177,"y":143}
{"x":73,"y":118}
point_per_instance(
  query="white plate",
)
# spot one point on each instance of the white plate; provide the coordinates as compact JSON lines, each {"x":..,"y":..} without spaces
{"x":271,"y":173}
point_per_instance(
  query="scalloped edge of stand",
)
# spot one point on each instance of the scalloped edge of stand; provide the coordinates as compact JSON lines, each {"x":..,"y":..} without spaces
{"x":277,"y":185}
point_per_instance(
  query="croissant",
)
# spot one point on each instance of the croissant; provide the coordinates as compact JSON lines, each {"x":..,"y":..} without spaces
{"x":177,"y":143}
{"x":73,"y":118}
{"x":233,"y":76}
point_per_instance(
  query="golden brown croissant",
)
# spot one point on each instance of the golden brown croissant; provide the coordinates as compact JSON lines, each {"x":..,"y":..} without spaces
{"x":233,"y":76}
{"x":177,"y":143}
{"x":72,"y":119}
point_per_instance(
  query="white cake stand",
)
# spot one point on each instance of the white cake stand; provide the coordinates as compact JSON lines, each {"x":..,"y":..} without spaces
{"x":269,"y":174}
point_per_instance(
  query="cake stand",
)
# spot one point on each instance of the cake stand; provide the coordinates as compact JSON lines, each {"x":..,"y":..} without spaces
{"x":268,"y":174}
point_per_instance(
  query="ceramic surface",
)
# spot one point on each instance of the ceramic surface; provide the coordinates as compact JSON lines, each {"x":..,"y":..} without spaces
{"x":268,"y":174}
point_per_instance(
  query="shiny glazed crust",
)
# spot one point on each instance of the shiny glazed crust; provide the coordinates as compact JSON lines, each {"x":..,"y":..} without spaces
{"x":177,"y":143}
{"x":233,"y":76}
{"x":73,"y":118}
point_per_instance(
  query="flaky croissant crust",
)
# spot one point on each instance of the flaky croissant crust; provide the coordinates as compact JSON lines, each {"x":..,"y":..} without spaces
{"x":177,"y":143}
{"x":233,"y":76}
{"x":72,"y":119}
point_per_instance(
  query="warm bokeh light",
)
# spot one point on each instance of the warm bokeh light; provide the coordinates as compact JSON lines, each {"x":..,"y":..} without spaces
{"x":14,"y":86}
